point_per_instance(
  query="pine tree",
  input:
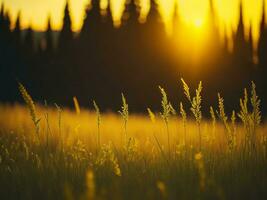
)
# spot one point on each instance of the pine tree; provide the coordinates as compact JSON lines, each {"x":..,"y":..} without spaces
{"x":153,"y":15}
{"x":132,"y":10}
{"x":91,"y":22}
{"x":66,"y":35}
{"x":107,"y":18}
{"x":241,"y":46}
{"x":154,"y":29}
{"x":17,"y":32}
{"x":6,"y":24}
{"x":262,"y":46}
{"x":2,"y":16}
{"x":251,"y":46}
{"x":154,"y":26}
{"x":49,"y":37}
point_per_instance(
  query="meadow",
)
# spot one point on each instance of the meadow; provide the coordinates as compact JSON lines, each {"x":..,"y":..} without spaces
{"x":49,"y":152}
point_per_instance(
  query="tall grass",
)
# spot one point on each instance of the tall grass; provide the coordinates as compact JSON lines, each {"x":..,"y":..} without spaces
{"x":195,"y":106}
{"x":98,"y":122}
{"x":213,"y":118}
{"x":184,"y":118}
{"x":124,"y":112}
{"x":233,"y":166}
{"x":31,"y":107}
{"x":251,"y":119}
{"x":159,"y":145}
{"x":76,"y":105}
{"x":224,"y":119}
{"x":167,"y":110}
{"x":59,"y":121}
{"x":48,"y":129}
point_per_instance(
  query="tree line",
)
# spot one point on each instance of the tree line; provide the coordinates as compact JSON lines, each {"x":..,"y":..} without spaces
{"x":101,"y":61}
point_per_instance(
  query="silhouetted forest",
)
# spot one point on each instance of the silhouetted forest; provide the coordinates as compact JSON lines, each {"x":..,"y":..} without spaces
{"x":102,"y":61}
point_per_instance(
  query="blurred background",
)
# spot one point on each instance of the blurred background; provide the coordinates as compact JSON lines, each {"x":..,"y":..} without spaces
{"x":97,"y":49}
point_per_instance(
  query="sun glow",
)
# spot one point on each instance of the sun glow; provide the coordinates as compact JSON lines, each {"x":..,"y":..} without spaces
{"x":191,"y":12}
{"x":198,"y":23}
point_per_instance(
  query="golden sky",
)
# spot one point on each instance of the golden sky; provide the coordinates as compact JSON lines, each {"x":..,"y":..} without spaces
{"x":191,"y":12}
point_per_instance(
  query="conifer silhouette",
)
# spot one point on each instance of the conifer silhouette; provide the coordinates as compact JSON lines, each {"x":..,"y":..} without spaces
{"x":241,"y":46}
{"x":49,"y":37}
{"x":17,"y":32}
{"x":66,"y":35}
{"x":262,"y":45}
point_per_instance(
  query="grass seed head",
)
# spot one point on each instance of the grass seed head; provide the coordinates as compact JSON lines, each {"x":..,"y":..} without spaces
{"x":31,"y":106}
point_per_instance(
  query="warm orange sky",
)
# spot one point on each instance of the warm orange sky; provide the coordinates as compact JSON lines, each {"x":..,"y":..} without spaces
{"x":192,"y":12}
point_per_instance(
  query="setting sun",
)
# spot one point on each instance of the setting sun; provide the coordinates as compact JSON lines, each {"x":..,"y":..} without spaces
{"x":198,"y":23}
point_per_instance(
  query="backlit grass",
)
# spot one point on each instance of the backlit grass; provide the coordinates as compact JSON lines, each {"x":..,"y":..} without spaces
{"x":59,"y":153}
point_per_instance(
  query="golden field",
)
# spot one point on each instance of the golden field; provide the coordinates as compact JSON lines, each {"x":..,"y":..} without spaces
{"x":48,"y":152}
